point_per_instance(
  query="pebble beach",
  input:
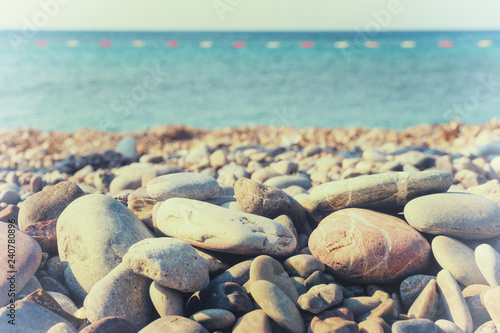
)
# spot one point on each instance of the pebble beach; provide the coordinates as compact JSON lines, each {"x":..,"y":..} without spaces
{"x":251,"y":229}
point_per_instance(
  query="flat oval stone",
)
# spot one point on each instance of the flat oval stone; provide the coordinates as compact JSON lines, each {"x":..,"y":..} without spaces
{"x":360,"y":305}
{"x":491,"y":301}
{"x":174,"y":324}
{"x":171,"y":262}
{"x":458,"y":259}
{"x":460,"y":215}
{"x":110,"y":324}
{"x":277,"y":305}
{"x":183,"y":185}
{"x":269,"y":269}
{"x":93,"y":234}
{"x":303,"y":265}
{"x":167,"y":302}
{"x":364,"y":246}
{"x":384,"y":191}
{"x":62,"y":328}
{"x":215,"y":228}
{"x":214,"y":319}
{"x":488,"y":261}
{"x":446,"y":326}
{"x":252,"y":322}
{"x":454,"y":303}
{"x":282,"y":182}
{"x":320,"y":297}
{"x":414,"y":326}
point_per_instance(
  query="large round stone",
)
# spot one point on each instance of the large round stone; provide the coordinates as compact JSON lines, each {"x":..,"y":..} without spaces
{"x":459,"y":215}
{"x":93,"y":234}
{"x":215,"y":228}
{"x":183,"y":185}
{"x":384,"y":191}
{"x":368,"y":247}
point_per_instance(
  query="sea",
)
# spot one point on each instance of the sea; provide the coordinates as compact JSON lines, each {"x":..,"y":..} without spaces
{"x":128,"y":81}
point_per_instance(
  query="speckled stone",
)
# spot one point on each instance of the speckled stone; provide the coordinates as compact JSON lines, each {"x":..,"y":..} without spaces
{"x":459,"y":215}
{"x":364,"y":246}
{"x":183,"y":185}
{"x":385,"y":191}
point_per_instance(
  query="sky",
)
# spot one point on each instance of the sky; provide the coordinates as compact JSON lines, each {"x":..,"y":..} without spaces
{"x":274,"y":15}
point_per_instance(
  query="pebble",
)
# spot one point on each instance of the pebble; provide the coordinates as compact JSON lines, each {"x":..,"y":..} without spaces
{"x":10,"y":212}
{"x":414,"y":326}
{"x":303,"y":265}
{"x":167,"y":302}
{"x":475,"y":289}
{"x":371,"y":326}
{"x":386,"y":191}
{"x":446,"y":326}
{"x":171,"y":262}
{"x":458,"y":259}
{"x":364,"y":246}
{"x":62,"y":328}
{"x":278,"y":306}
{"x":460,"y":215}
{"x":92,"y":242}
{"x":45,"y":233}
{"x":386,"y":310}
{"x":488,"y":261}
{"x":183,"y":185}
{"x":320,"y":298}
{"x":123,"y":294}
{"x":64,"y":301}
{"x":492,"y":304}
{"x":27,"y":256}
{"x":453,"y":302}
{"x":48,"y":204}
{"x":55,"y":269}
{"x":426,"y":304}
{"x":252,"y":322}
{"x":220,"y":229}
{"x":109,"y":325}
{"x":10,"y":197}
{"x":269,"y":269}
{"x":214,"y":319}
{"x":229,"y":296}
{"x":412,"y":286}
{"x":268,"y":201}
{"x":174,"y":324}
{"x":285,"y":181}
{"x":477,"y":308}
{"x":49,"y":284}
{"x":361,"y":304}
{"x":127,"y":147}
{"x":143,"y":209}
{"x":32,"y":285}
{"x":335,"y":324}
{"x":488,"y":327}
{"x":229,"y":174}
{"x":130,"y":176}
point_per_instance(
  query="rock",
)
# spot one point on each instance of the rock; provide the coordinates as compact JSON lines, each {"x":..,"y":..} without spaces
{"x":109,"y":325}
{"x":488,"y":327}
{"x":10,"y":197}
{"x":282,"y":182}
{"x":62,"y":328}
{"x":458,"y":259}
{"x":269,"y":269}
{"x":488,"y":261}
{"x":215,"y":265}
{"x":167,"y":302}
{"x":335,"y":324}
{"x":426,"y":304}
{"x":386,"y":191}
{"x":143,"y":209}
{"x":264,"y":174}
{"x":317,"y":278}
{"x":48,"y":204}
{"x":386,"y":310}
{"x":102,"y":180}
{"x":23,"y":257}
{"x":123,"y":294}
{"x":229,"y":174}
{"x":218,"y":159}
{"x":446,"y":326}
{"x":183,"y":185}
{"x":29,"y":318}
{"x":64,"y":301}
{"x":414,"y":326}
{"x":278,"y":306}
{"x":460,"y":215}
{"x":252,"y":322}
{"x":239,"y":273}
{"x":36,"y":184}
{"x":477,"y":308}
{"x":492,"y":148}
{"x":368,"y":247}
{"x":10,"y":212}
{"x":127,"y":147}
{"x":93,"y":234}
{"x":45,"y":233}
{"x":219,"y":229}
{"x":303,"y":265}
{"x":130,"y":176}
{"x":492,"y":304}
{"x":214,"y":319}
{"x":49,"y":284}
{"x":361,"y":304}
{"x":174,"y":324}
{"x":284,"y":167}
{"x":412,"y":286}
{"x":320,"y":298}
{"x":475,"y":289}
{"x":55,"y":269}
{"x":267,"y":201}
{"x":453,"y":302}
{"x":32,"y":285}
{"x":171,"y":262}
{"x":43,"y":298}
{"x":229,"y":296}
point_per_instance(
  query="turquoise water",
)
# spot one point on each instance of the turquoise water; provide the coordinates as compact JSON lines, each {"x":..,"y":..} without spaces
{"x":123,"y":88}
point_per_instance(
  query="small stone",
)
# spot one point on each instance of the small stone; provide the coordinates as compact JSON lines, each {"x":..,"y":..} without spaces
{"x":214,"y":319}
{"x":49,"y":284}
{"x":252,"y":322}
{"x":475,"y":289}
{"x":55,"y":269}
{"x":65,"y":302}
{"x":372,"y":325}
{"x":335,"y":324}
{"x":414,"y":326}
{"x":364,"y":246}
{"x":10,"y":197}
{"x":386,"y":191}
{"x":477,"y":308}
{"x":284,"y":167}
{"x":229,"y":296}
{"x":446,"y":326}
{"x":386,"y":310}
{"x":174,"y":324}
{"x":183,"y":185}
{"x":282,"y":182}
{"x":110,"y":324}
{"x":492,"y":304}
{"x":171,"y":262}
{"x":488,"y":261}
{"x":426,"y":304}
{"x":361,"y":304}
{"x":127,"y":147}
{"x":269,"y":269}
{"x":458,"y":259}
{"x":10,"y":212}
{"x":460,"y":215}
{"x":316,"y":278}
{"x":45,"y":233}
{"x":36,"y":184}
{"x":43,"y":298}
{"x":120,"y":293}
{"x":143,"y":209}
{"x":320,"y":297}
{"x":62,"y":328}
{"x":298,"y":282}
{"x":488,"y":327}
{"x":303,"y":265}
{"x":412,"y":286}
{"x":454,"y":303}
{"x":277,"y":305}
{"x":167,"y":302}
{"x":32,"y":285}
